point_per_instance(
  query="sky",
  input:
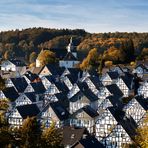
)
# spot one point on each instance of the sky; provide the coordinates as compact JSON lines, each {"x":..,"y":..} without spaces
{"x":91,"y":15}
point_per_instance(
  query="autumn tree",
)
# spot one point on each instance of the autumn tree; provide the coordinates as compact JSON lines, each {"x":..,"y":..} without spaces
{"x":113,"y":54}
{"x":32,"y":57}
{"x":8,"y":55}
{"x":46,"y":57}
{"x":2,"y":83}
{"x":142,"y":134}
{"x":30,"y":133}
{"x":91,"y":60}
{"x":144,"y":54}
{"x":51,"y":137}
{"x":6,"y":137}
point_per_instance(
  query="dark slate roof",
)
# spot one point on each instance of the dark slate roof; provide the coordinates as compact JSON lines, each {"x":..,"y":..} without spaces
{"x":50,"y":78}
{"x":62,"y":98}
{"x":113,"y":74}
{"x":31,"y":76}
{"x":75,"y":71}
{"x":90,"y":95}
{"x":91,"y":72}
{"x":60,"y":111}
{"x":76,"y":97}
{"x":54,"y":69}
{"x":96,"y":81}
{"x":115,"y":101}
{"x":28,"y":110}
{"x":90,"y":142}
{"x":128,"y":124}
{"x":71,"y":135}
{"x":38,"y":87}
{"x":17,"y":63}
{"x":19,"y":83}
{"x":73,"y":78}
{"x":143,"y":102}
{"x":114,"y":89}
{"x":84,"y":92}
{"x":90,"y":111}
{"x":70,"y":57}
{"x":11,"y":93}
{"x":61,"y":86}
{"x":82,"y":85}
{"x":32,"y":96}
{"x":128,"y":79}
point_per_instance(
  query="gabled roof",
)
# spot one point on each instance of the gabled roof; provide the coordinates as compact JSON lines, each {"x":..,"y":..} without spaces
{"x":90,"y":95}
{"x":19,"y":83}
{"x":60,"y":111}
{"x":10,"y":93}
{"x":31,"y":76}
{"x":17,"y":63}
{"x":71,"y":135}
{"x":61,"y":86}
{"x":128,"y":79}
{"x":62,"y":98}
{"x":70,"y":57}
{"x":91,"y":72}
{"x":114,"y":89}
{"x":84,"y":92}
{"x":90,"y":142}
{"x":38,"y":87}
{"x":143,"y":102}
{"x":113,"y":74}
{"x":32,"y":96}
{"x":96,"y":81}
{"x":28,"y":110}
{"x":73,"y":78}
{"x":115,"y":101}
{"x":54,"y":69}
{"x":128,"y":124}
{"x":50,"y":78}
{"x":75,"y":71}
{"x":90,"y":111}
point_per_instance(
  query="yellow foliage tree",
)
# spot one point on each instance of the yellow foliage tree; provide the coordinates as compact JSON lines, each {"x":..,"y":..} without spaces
{"x":46,"y":57}
{"x":142,"y":136}
{"x":108,"y":63}
{"x":113,"y":54}
{"x":90,"y":60}
{"x":51,"y":137}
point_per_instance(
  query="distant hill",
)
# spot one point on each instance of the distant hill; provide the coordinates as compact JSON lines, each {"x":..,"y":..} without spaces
{"x":21,"y":43}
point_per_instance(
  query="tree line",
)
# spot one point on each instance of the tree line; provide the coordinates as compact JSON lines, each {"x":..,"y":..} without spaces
{"x":116,"y":47}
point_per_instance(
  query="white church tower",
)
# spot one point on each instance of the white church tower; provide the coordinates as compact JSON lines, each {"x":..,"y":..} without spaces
{"x":70,"y":60}
{"x":71,"y":48}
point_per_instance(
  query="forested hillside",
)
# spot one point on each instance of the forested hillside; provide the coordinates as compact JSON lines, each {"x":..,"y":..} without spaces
{"x":116,"y":47}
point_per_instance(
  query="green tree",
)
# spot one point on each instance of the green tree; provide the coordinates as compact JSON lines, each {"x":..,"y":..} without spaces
{"x":51,"y":137}
{"x":46,"y":57}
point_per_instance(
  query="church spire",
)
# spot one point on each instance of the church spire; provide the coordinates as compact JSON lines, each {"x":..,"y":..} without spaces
{"x":70,"y":47}
{"x":71,"y":40}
